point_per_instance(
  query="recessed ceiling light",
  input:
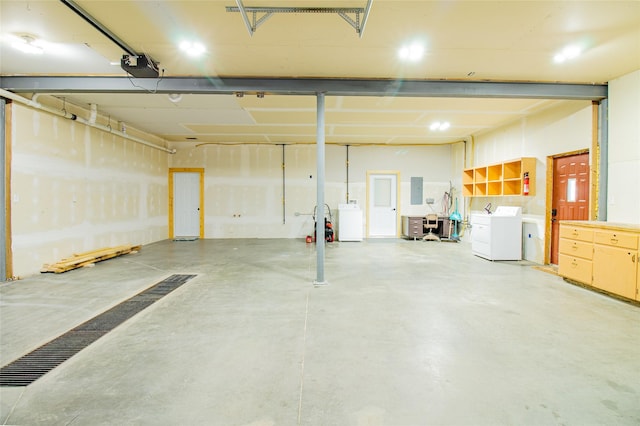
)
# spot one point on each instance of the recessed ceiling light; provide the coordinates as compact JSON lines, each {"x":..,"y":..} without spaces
{"x":175,"y":97}
{"x":441,"y":126}
{"x":28,"y":44}
{"x":412,"y":52}
{"x":569,"y":52}
{"x":192,"y":48}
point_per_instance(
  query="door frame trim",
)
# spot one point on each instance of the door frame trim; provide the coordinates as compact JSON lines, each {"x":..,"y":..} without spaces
{"x":549,"y":197}
{"x":199,"y":170}
{"x":384,"y":172}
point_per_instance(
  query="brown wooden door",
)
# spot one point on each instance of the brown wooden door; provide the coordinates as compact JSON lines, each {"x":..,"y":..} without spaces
{"x":570,"y":195}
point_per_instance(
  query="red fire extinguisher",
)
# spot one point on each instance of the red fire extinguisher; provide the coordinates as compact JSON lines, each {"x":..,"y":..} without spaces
{"x":526,"y":184}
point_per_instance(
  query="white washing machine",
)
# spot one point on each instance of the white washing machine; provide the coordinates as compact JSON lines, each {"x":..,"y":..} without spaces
{"x":349,"y":222}
{"x":497,"y":236}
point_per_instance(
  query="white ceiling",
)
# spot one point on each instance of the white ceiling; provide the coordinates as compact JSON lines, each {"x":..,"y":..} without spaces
{"x":464,"y":41}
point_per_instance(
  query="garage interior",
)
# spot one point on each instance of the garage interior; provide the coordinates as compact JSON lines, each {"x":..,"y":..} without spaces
{"x":290,"y":107}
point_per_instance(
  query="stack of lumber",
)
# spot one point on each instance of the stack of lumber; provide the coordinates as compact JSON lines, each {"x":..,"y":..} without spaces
{"x":88,"y":258}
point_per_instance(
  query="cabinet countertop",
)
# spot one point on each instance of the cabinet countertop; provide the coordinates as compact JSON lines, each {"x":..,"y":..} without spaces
{"x":615,"y":226}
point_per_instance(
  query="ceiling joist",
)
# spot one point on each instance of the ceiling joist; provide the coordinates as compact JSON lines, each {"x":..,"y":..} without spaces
{"x":254,"y":17}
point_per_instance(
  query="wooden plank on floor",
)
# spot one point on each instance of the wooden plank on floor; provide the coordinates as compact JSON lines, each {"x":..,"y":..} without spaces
{"x":80,"y":260}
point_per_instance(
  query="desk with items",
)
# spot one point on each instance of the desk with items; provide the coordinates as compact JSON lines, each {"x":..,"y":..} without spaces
{"x":413,"y":227}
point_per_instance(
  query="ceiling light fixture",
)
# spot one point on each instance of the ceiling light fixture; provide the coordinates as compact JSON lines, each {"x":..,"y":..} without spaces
{"x":569,"y":52}
{"x":28,"y":44}
{"x":436,"y":125}
{"x":194,"y":49}
{"x":412,"y":52}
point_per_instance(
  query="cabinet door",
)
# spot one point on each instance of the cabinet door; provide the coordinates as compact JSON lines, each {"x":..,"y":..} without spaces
{"x":575,"y":268}
{"x":614,"y":270}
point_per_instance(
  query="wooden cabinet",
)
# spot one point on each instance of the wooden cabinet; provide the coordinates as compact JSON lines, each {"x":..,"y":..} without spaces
{"x":615,"y":263}
{"x":500,"y":179}
{"x":602,"y":255}
{"x":576,"y":253}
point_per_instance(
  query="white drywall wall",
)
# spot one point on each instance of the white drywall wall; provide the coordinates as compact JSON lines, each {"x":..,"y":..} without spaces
{"x":623,"y":204}
{"x":75,"y":189}
{"x":563,"y":128}
{"x":243,"y":183}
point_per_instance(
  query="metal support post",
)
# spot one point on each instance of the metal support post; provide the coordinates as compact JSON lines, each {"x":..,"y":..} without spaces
{"x":3,"y":210}
{"x":603,"y":176}
{"x":320,"y":240}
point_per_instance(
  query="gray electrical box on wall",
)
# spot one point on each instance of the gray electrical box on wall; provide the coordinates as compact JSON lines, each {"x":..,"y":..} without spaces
{"x":416,"y":190}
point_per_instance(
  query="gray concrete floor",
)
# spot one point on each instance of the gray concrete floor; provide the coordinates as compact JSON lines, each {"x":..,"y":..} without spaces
{"x":406,"y":333}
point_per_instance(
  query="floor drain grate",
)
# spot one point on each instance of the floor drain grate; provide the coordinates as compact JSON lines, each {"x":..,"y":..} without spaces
{"x":30,"y":367}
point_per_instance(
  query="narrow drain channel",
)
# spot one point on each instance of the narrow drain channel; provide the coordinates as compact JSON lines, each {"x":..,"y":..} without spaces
{"x":30,"y":367}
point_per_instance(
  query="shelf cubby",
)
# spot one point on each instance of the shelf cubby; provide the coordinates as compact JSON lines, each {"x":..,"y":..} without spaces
{"x":479,"y":189}
{"x":480,"y":174}
{"x":501,"y":179}
{"x":494,"y":188}
{"x":512,"y":187}
{"x":494,"y":172}
{"x":467,"y":177}
{"x":513,"y":170}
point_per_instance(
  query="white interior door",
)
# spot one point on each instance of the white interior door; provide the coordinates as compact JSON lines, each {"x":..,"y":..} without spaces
{"x":383,"y":205}
{"x":186,"y":204}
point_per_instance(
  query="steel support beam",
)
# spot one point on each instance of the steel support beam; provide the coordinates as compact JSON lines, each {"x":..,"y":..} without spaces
{"x":319,"y":226}
{"x":304,"y":86}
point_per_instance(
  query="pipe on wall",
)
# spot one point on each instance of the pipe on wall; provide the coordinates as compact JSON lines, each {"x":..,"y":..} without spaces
{"x":65,"y":114}
{"x":347,"y":166}
{"x":284,"y":215}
